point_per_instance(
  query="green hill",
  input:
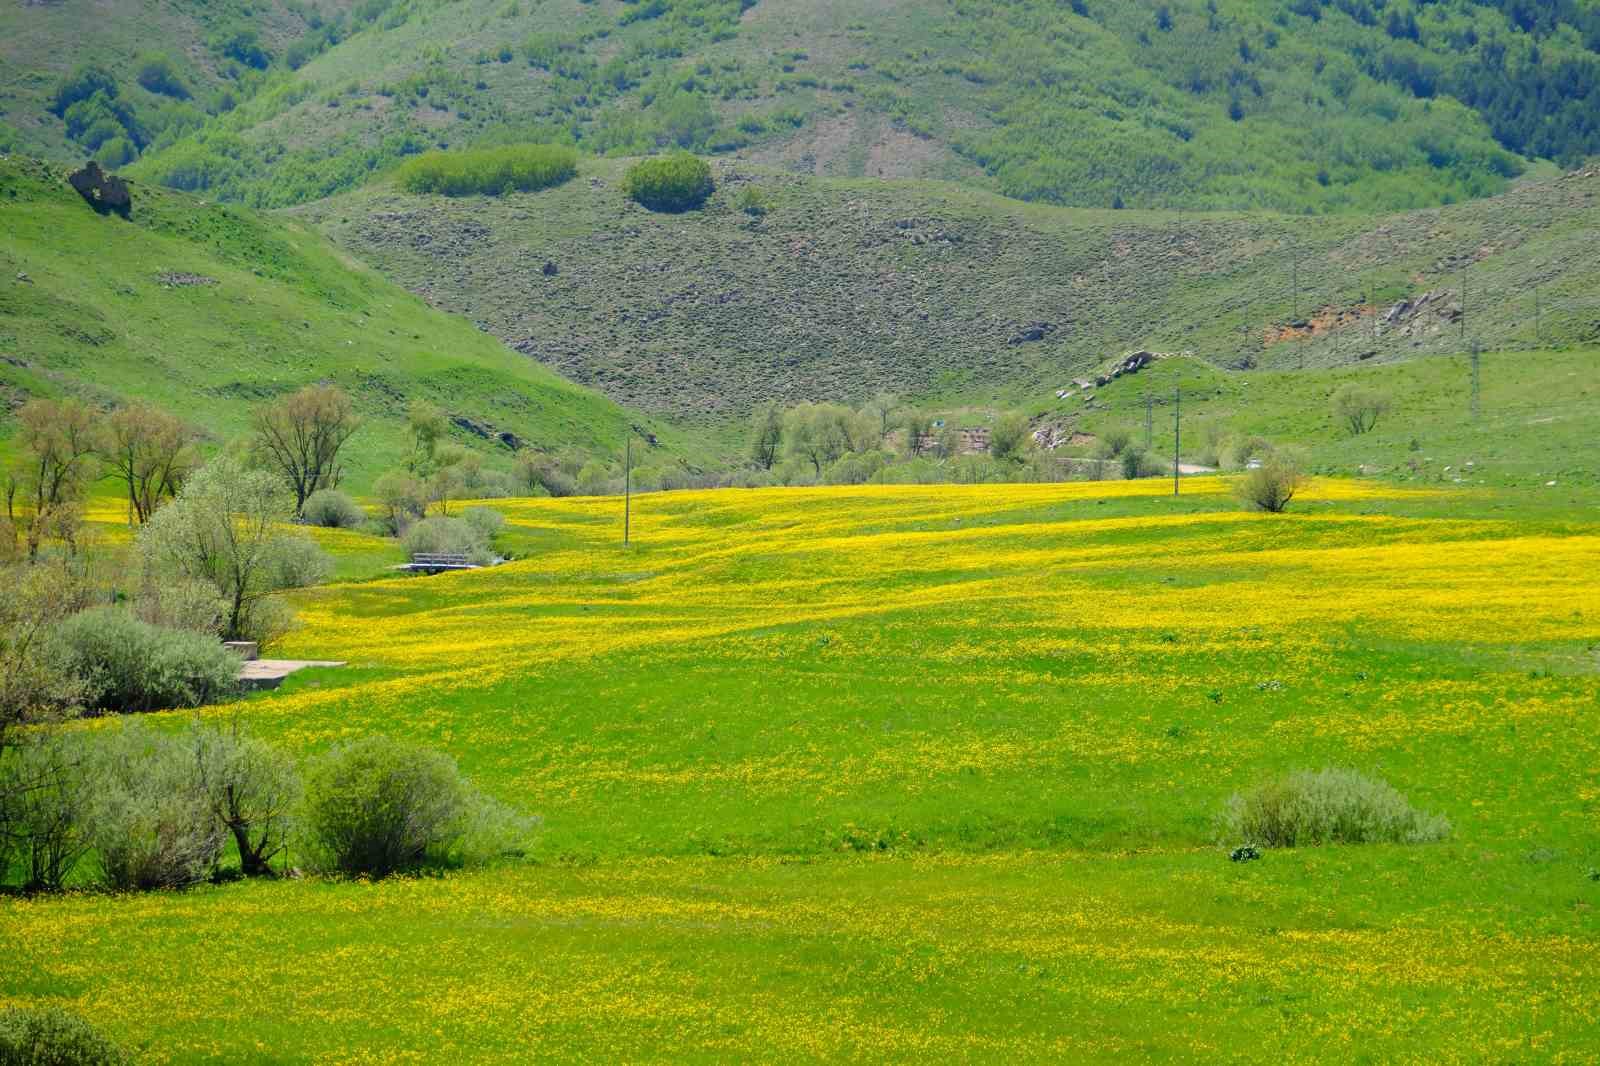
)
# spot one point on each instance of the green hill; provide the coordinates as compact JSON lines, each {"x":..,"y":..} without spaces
{"x":1308,"y":105}
{"x":946,"y":295}
{"x":208,"y":309}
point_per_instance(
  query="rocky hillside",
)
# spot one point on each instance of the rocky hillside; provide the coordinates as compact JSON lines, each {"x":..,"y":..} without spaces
{"x":841,"y":288}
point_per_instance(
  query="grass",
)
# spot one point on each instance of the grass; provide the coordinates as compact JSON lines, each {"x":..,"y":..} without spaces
{"x":207,"y":310}
{"x":896,"y":772}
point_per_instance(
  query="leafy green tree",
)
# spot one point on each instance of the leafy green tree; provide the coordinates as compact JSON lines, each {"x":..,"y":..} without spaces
{"x":1011,"y":437}
{"x":227,"y":528}
{"x":766,"y":435}
{"x":819,"y":433}
{"x":58,"y":447}
{"x":671,"y":183}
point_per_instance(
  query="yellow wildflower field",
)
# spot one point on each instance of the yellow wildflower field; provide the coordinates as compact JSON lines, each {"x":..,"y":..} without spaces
{"x":925,"y":773}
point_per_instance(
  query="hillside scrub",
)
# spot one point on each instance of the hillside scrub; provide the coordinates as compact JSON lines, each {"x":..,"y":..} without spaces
{"x":1331,"y":806}
{"x":489,"y":171}
{"x":670,"y":183}
{"x":447,"y":535}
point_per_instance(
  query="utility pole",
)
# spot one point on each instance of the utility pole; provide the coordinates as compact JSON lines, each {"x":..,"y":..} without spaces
{"x":627,"y":487}
{"x":1177,"y":433}
{"x":1477,"y":358}
{"x":1463,"y":304}
{"x":1149,"y":420}
{"x":1538,"y":321}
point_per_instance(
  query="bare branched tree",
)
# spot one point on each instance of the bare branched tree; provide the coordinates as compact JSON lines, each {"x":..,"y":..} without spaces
{"x":301,"y":435}
{"x":150,"y":452}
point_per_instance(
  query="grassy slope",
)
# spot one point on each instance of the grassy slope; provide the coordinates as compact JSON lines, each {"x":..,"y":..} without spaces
{"x":1026,"y":703}
{"x":1024,"y":96}
{"x":94,"y":319}
{"x":1535,"y":422}
{"x":847,"y":287}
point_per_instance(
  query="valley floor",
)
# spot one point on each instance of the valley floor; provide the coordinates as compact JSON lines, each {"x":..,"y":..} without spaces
{"x":926,"y":773}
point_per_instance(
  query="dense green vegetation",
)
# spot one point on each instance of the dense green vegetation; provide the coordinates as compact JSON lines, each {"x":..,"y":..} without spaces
{"x":676,"y":182}
{"x":1309,"y":105}
{"x":208,"y":310}
{"x":489,"y":171}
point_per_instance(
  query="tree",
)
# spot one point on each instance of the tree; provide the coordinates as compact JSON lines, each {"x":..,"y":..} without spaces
{"x":404,"y":500}
{"x":1270,"y":486}
{"x":427,"y":426}
{"x":917,"y":425}
{"x":819,"y":433}
{"x":1010,"y":437}
{"x":884,"y":409}
{"x":300,"y":437}
{"x":35,"y":684}
{"x":1359,"y":408}
{"x":766,"y":435}
{"x":226,"y":528}
{"x":251,"y":788}
{"x":150,"y":452}
{"x":44,"y":489}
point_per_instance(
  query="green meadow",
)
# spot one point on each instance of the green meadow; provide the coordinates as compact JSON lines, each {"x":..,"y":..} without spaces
{"x":932,"y":772}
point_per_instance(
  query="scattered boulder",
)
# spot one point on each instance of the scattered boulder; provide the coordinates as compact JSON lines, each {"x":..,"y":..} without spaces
{"x":178,"y":279}
{"x":473,"y":426}
{"x":509,"y":439}
{"x":104,"y":192}
{"x":1033,"y":331}
{"x":1246,"y":853}
{"x":1129,"y":365}
{"x":550,"y":270}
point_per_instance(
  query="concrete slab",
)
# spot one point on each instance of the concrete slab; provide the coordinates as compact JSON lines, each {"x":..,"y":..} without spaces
{"x":269,"y":673}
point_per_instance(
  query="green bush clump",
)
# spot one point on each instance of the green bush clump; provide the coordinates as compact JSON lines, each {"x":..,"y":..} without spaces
{"x":149,"y":819}
{"x":1332,"y":806}
{"x":489,"y":171}
{"x":332,"y":509}
{"x":442,"y":535}
{"x":50,"y":1036}
{"x":158,"y":74}
{"x":377,"y":806}
{"x":129,"y":665}
{"x":675,"y":182}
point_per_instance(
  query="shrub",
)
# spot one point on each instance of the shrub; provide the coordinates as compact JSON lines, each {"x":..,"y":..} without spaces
{"x":753,"y":202}
{"x":150,"y":821}
{"x":251,"y":789}
{"x":1010,"y":437}
{"x":485,"y":521}
{"x":443,"y":535}
{"x":377,"y":806}
{"x":81,"y":84}
{"x":129,"y":665}
{"x":404,"y":499}
{"x":489,"y":171}
{"x":1359,"y":408}
{"x":1136,"y":463}
{"x":47,"y":811}
{"x":332,"y":509}
{"x":158,"y":74}
{"x":1113,"y":442}
{"x":675,"y":182}
{"x":50,"y":1036}
{"x":1328,"y":807}
{"x":1270,"y":486}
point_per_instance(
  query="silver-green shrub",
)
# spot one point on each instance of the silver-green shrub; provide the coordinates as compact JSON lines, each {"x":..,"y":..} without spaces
{"x":332,"y":509}
{"x":1331,"y":806}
